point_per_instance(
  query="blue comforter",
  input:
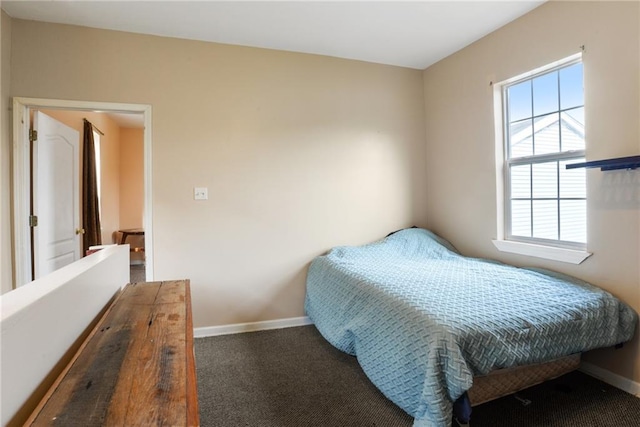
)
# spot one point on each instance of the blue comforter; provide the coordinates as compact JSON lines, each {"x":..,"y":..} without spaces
{"x":423,"y":320}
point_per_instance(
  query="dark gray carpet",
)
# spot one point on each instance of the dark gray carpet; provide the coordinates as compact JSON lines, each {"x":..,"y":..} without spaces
{"x":286,"y":377}
{"x":292,"y":377}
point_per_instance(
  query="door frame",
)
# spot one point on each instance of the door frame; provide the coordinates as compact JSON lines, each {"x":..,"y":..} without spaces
{"x":21,"y":180}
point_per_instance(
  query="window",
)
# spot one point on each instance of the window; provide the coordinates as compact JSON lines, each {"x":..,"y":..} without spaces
{"x":545,"y":203}
{"x":96,"y":149}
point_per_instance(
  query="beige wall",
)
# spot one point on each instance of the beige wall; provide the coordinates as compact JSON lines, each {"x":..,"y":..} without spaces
{"x":6,"y":272}
{"x":461,"y":172}
{"x":110,"y":164}
{"x":131,"y":177}
{"x":299,"y":153}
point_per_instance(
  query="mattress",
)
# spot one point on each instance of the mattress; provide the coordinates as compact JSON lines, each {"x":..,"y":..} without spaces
{"x":424,"y":320}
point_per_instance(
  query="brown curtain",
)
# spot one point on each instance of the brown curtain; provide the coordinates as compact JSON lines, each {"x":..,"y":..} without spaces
{"x":90,"y":202}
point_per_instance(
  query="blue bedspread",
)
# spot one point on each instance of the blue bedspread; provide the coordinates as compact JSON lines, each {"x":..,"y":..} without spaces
{"x":423,"y":320}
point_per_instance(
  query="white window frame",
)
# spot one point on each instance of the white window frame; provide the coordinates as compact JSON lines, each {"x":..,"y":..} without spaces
{"x":557,"y":250}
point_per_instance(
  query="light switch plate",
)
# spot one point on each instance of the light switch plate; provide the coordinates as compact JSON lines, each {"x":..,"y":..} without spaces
{"x":200,"y":193}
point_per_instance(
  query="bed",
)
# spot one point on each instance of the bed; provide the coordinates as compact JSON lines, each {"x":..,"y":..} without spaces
{"x":424,"y":321}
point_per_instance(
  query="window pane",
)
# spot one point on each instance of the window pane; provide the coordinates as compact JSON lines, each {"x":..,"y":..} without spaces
{"x":546,"y":134}
{"x":572,"y":128}
{"x":520,"y":138}
{"x":571,"y":87}
{"x":519,"y":101}
{"x":521,"y":218}
{"x":545,"y":94}
{"x":545,"y":180}
{"x":545,"y":121}
{"x":573,"y":220}
{"x":545,"y":219}
{"x":572,"y":181}
{"x":577,"y":114}
{"x":521,"y":181}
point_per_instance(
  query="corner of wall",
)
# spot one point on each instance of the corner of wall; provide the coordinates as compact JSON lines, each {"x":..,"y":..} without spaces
{"x":6,"y":259}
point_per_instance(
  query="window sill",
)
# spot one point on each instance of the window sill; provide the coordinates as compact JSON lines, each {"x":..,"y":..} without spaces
{"x":571,"y":256}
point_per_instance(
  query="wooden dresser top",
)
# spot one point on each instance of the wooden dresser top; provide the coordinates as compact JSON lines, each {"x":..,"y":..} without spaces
{"x":136,"y":367}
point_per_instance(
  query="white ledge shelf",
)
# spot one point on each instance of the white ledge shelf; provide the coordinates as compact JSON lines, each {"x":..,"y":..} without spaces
{"x":571,"y":256}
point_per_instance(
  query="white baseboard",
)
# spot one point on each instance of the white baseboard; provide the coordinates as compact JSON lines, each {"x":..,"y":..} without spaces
{"x":211,"y":331}
{"x":609,"y":377}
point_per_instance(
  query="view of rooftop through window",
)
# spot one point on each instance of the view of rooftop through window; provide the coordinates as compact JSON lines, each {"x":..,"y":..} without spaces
{"x":545,"y":131}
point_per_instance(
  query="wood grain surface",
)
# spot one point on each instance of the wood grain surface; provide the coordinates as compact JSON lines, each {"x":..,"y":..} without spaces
{"x":136,"y":368}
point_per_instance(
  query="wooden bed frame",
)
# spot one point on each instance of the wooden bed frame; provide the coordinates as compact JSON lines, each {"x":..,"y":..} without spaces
{"x":503,"y":382}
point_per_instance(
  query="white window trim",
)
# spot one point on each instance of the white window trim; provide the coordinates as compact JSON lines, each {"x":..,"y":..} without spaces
{"x":571,"y":256}
{"x":555,"y":253}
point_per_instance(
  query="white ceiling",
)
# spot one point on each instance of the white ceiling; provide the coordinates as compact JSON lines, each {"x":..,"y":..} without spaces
{"x":412,"y":34}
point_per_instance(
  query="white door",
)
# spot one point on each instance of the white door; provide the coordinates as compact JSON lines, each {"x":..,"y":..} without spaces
{"x":56,"y":195}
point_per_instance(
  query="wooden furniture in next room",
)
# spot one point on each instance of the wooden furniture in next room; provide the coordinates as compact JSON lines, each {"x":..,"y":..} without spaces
{"x":139,"y":249}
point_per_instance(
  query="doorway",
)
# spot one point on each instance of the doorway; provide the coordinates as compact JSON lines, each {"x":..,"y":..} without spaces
{"x":22,"y":108}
